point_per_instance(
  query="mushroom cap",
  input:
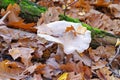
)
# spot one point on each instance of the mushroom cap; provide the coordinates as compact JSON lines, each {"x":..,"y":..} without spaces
{"x":56,"y":32}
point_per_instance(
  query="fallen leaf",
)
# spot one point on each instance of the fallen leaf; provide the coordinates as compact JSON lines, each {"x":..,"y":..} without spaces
{"x":82,"y":57}
{"x":114,"y":9}
{"x":21,"y":25}
{"x":69,"y":67}
{"x":81,"y":4}
{"x":93,"y":55}
{"x":15,"y":10}
{"x":63,"y":76}
{"x":102,"y":3}
{"x":37,"y":77}
{"x":99,"y":64}
{"x":10,"y":69}
{"x":73,"y":76}
{"x":50,"y":16}
{"x":104,"y":73}
{"x":15,"y":21}
{"x":105,"y":52}
{"x":24,"y":53}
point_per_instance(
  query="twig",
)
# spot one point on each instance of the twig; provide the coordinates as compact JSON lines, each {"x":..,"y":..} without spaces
{"x":116,"y":54}
{"x":117,"y":73}
{"x":3,"y":18}
{"x":66,"y":6}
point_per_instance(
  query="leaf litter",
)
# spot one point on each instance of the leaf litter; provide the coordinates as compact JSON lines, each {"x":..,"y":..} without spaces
{"x":24,"y":55}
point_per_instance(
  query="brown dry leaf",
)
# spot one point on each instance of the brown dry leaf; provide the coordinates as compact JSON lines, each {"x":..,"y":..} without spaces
{"x":102,"y":21}
{"x":72,"y":76}
{"x":59,"y":54}
{"x":45,"y":3}
{"x":115,"y":1}
{"x":115,"y":10}
{"x":15,"y":10}
{"x":104,"y":73}
{"x":50,"y":16}
{"x":102,"y":3}
{"x":93,"y":55}
{"x":39,"y":68}
{"x":99,"y":64}
{"x":78,"y":68}
{"x":9,"y":34}
{"x":37,"y":77}
{"x":52,"y":63}
{"x":15,"y":21}
{"x":94,"y":21}
{"x":82,"y":57}
{"x":99,"y":20}
{"x":105,"y":52}
{"x":21,"y":25}
{"x":81,"y":4}
{"x":85,"y":70}
{"x":69,"y":67}
{"x":24,"y":53}
{"x":113,"y":78}
{"x":116,"y":27}
{"x":36,"y":68}
{"x":10,"y":69}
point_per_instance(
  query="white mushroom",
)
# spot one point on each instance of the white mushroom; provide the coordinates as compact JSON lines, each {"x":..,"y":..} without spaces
{"x":71,"y":35}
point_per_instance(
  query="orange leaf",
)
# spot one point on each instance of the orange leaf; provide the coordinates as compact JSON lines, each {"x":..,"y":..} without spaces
{"x":71,"y":28}
{"x":15,"y":10}
{"x":15,"y":21}
{"x":102,"y":3}
{"x":81,"y":3}
{"x":9,"y":69}
{"x":25,"y":26}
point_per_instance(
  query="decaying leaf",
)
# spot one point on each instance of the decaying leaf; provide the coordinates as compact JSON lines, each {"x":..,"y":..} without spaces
{"x":69,"y":67}
{"x":104,"y":73}
{"x":24,"y":53}
{"x":50,"y":16}
{"x":81,"y":4}
{"x":72,"y":76}
{"x":12,"y":70}
{"x":115,"y":10}
{"x":99,"y":64}
{"x":21,"y":25}
{"x":15,"y":21}
{"x":102,"y":3}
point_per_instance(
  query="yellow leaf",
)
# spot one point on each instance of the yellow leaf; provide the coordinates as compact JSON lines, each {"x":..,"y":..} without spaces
{"x":118,"y":42}
{"x":81,"y":30}
{"x":63,"y":76}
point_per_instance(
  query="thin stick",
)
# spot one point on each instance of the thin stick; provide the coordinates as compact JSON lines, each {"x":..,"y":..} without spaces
{"x":66,"y":6}
{"x":4,"y":17}
{"x":117,"y":53}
